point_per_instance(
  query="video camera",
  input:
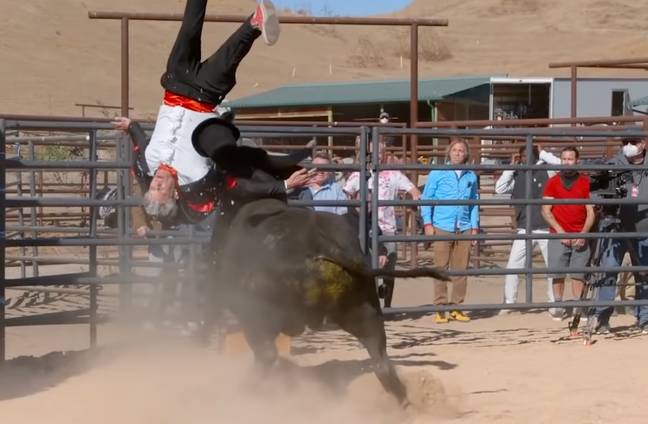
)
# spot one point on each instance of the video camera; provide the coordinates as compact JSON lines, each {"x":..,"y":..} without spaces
{"x":610,"y":184}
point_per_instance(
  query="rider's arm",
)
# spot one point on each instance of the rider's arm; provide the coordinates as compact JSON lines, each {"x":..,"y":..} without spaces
{"x":140,"y":141}
{"x":258,"y":186}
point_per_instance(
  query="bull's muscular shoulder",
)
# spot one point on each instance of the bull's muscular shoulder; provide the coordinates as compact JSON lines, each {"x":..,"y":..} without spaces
{"x":339,"y":239}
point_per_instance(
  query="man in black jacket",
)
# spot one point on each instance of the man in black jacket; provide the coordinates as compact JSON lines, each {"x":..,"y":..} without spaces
{"x":514,"y":182}
{"x":178,"y":154}
{"x":247,"y":173}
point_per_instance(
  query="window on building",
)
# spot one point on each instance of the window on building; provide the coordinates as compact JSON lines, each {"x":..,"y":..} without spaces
{"x":620,"y":101}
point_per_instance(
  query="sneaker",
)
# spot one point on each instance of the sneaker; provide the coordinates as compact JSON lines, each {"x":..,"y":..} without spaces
{"x":644,"y":329}
{"x":459,"y":316}
{"x":505,"y":312}
{"x":382,"y":289}
{"x":440,"y":318}
{"x":265,"y":19}
{"x":557,"y":314}
{"x":602,"y":329}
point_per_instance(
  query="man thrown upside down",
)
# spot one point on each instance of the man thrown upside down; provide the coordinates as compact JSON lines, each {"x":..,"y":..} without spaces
{"x":190,"y":136}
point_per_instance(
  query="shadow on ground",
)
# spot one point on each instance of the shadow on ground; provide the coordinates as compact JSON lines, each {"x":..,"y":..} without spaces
{"x":26,"y":375}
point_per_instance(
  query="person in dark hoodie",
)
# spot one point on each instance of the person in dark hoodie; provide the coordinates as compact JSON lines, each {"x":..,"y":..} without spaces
{"x":353,"y":217}
{"x":513,"y":182}
{"x":633,"y":218}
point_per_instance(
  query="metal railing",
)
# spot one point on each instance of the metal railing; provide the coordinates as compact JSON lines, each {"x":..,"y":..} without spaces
{"x":93,"y":237}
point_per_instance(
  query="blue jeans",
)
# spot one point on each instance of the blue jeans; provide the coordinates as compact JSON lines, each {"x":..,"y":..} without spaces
{"x":613,"y":252}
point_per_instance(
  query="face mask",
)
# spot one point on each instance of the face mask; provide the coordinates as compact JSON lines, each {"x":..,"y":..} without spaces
{"x":631,"y":150}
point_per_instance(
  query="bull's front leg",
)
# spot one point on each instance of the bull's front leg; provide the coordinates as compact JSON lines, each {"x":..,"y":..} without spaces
{"x":264,"y":348}
{"x":366,"y":323}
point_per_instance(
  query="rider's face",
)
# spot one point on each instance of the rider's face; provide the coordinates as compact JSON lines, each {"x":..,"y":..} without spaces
{"x":162,"y":186}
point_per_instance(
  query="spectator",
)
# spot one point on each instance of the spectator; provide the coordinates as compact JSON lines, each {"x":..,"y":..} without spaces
{"x":449,"y":219}
{"x":390,"y":184}
{"x":562,"y":219}
{"x":633,"y":218}
{"x":323,"y":187}
{"x":353,"y":217}
{"x":391,"y":142}
{"x":514,"y":182}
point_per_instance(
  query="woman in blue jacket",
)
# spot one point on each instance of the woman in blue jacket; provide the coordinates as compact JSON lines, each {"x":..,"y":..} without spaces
{"x":449,"y":184}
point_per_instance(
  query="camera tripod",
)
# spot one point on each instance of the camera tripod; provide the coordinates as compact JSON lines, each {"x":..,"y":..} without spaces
{"x":608,"y":223}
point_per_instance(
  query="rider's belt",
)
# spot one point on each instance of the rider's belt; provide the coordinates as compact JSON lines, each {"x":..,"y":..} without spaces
{"x":230,"y":182}
{"x":173,"y":99}
{"x":204,"y":207}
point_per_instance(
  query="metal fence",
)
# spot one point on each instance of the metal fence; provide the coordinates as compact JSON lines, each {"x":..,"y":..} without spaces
{"x":88,"y":131}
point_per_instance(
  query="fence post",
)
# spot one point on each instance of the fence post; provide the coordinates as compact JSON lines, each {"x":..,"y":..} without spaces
{"x":3,"y":234}
{"x":92,"y":249}
{"x":375,"y":169}
{"x":528,"y":243}
{"x":125,"y":289}
{"x":364,"y":134}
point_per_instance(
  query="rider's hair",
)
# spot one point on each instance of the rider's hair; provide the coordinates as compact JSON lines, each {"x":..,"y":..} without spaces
{"x":160,"y":209}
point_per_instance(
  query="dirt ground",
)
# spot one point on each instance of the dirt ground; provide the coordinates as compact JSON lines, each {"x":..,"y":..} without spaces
{"x":511,"y":369}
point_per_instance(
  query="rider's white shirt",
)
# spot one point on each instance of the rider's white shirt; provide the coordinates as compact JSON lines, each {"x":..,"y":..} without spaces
{"x":171,"y":143}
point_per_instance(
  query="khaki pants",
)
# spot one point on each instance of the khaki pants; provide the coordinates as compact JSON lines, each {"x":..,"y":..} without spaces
{"x":453,"y":255}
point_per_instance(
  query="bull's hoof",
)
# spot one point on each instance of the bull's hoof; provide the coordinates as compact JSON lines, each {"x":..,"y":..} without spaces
{"x":293,"y":330}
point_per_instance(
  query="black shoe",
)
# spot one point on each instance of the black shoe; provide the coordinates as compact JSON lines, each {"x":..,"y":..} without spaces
{"x":602,"y":329}
{"x":382,"y":289}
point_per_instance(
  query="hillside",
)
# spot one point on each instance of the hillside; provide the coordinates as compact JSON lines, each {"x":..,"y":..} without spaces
{"x":54,"y":56}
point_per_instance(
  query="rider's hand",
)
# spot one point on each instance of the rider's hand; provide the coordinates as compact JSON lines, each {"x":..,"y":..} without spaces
{"x":429,"y":230}
{"x":121,"y":123}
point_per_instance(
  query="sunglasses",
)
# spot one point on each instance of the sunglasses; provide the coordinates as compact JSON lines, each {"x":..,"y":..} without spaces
{"x":631,"y":141}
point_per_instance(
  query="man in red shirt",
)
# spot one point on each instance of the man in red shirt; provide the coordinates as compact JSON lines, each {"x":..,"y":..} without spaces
{"x":568,"y":253}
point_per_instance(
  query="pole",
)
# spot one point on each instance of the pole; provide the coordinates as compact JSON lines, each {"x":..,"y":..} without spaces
{"x":413,"y":122}
{"x":92,"y":250}
{"x":3,"y":235}
{"x":124,"y":67}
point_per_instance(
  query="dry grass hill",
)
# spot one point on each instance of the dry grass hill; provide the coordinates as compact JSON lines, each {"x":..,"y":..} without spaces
{"x":53,"y":56}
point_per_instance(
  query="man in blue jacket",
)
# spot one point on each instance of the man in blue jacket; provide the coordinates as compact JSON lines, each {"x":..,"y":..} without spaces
{"x":451,"y":219}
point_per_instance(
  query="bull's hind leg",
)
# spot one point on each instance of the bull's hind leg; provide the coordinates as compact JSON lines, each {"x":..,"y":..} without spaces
{"x":264,"y":348}
{"x":366,"y":323}
{"x":260,"y":331}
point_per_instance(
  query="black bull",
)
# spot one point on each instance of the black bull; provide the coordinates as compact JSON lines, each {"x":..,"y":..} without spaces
{"x":284,"y":268}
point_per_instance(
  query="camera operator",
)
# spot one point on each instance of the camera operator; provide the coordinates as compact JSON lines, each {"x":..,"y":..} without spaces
{"x":632,"y":218}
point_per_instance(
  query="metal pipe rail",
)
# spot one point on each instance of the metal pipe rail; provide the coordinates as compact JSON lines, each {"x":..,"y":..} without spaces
{"x":533,"y":122}
{"x":365,"y":166}
{"x":424,"y":310}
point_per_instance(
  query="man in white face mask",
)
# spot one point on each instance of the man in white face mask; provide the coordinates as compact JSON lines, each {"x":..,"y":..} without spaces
{"x":634,"y":150}
{"x":633,"y":218}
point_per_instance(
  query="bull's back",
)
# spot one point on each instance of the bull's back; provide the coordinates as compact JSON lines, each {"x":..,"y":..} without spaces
{"x":271,"y":235}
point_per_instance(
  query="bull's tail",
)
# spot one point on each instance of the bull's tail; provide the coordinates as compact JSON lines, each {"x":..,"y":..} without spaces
{"x":409,"y":273}
{"x":364,"y":271}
